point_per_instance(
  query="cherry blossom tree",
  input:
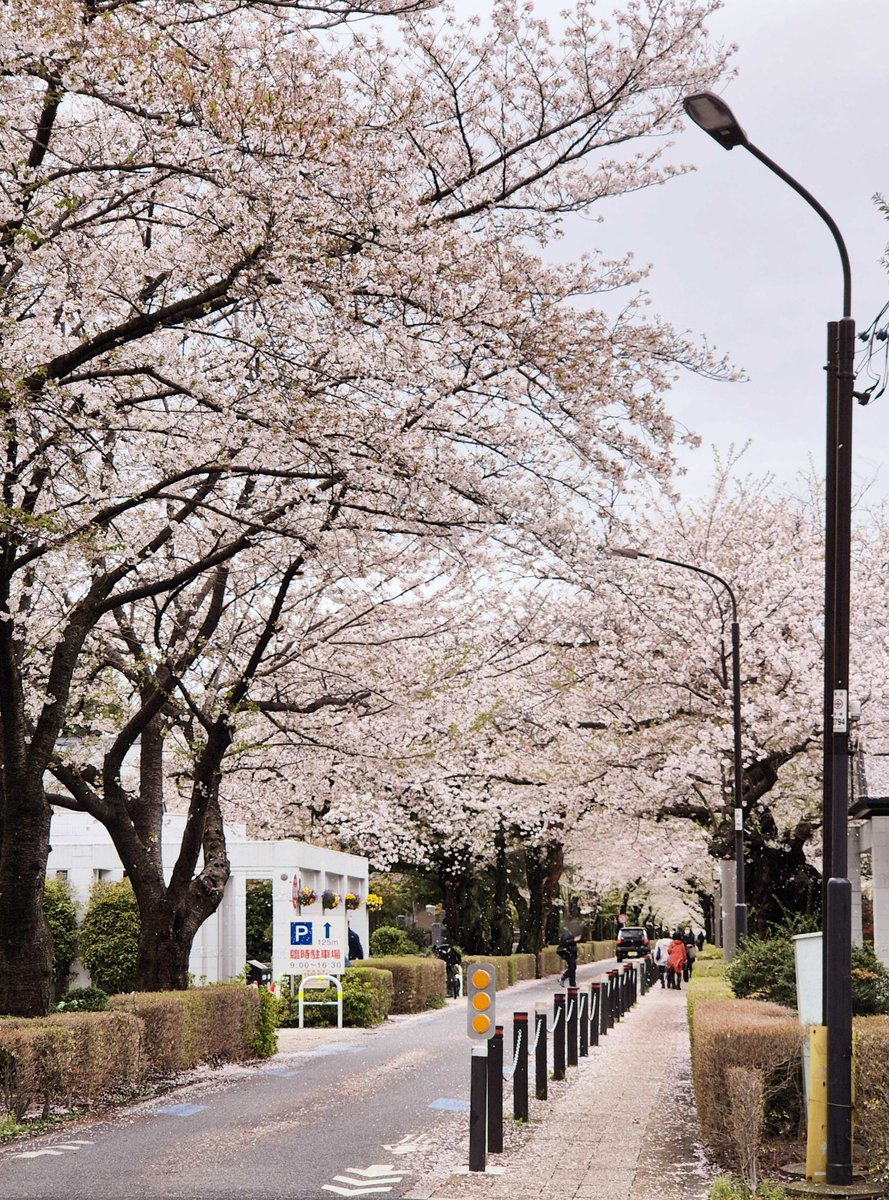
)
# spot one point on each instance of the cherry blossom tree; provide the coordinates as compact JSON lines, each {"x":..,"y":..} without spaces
{"x":273,"y":316}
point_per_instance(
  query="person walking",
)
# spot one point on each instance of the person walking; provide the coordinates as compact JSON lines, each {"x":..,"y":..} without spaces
{"x":356,"y":950}
{"x":691,"y":952}
{"x":677,"y":958}
{"x":700,"y":939}
{"x":661,"y":950}
{"x":567,"y":951}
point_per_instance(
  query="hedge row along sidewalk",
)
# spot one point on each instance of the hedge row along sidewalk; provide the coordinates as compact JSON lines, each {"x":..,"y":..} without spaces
{"x":75,"y":1059}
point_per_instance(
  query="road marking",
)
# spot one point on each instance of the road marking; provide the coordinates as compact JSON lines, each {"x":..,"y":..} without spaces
{"x":373,"y":1179}
{"x":58,"y":1148}
{"x":410,"y":1144}
{"x":355,"y":1191}
{"x":181,"y":1110}
{"x":450,"y":1105}
{"x":376,"y":1170}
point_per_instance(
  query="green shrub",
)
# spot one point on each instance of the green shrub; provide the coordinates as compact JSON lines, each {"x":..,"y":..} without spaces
{"x":764,"y":970}
{"x":264,"y":1042}
{"x":732,"y":1187}
{"x":388,"y":941}
{"x":88,"y":999}
{"x":259,"y":919}
{"x":415,"y":981}
{"x":220,"y":1023}
{"x":61,"y":916}
{"x":872,"y":1094}
{"x":109,"y":937}
{"x":367,"y":1000}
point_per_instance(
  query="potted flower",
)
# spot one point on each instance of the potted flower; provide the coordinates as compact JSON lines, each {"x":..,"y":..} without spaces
{"x":352,"y":901}
{"x":330,"y":899}
{"x":307,"y":896}
{"x":374,"y":902}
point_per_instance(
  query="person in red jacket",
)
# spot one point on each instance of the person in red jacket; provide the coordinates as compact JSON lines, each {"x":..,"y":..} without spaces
{"x":677,"y":961}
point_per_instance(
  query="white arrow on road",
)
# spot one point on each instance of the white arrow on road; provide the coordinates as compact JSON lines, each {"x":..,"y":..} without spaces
{"x":358,"y":1190}
{"x":376,"y":1170}
{"x":36,"y":1153}
{"x":59,"y":1148}
{"x":373,"y":1179}
{"x":410,"y":1144}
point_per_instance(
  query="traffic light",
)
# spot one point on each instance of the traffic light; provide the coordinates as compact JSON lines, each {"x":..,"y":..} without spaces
{"x":481,"y":996}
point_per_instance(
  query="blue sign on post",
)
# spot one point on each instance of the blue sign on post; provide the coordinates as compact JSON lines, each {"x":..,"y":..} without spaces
{"x":300,"y":933}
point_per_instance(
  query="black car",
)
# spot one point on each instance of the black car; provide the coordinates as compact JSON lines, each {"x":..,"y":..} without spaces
{"x":632,"y":942}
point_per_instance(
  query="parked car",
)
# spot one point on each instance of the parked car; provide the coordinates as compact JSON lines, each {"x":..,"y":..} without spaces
{"x":632,"y":942}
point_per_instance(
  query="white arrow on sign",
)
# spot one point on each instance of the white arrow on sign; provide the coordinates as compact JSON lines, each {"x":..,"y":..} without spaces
{"x":410,"y":1144}
{"x":376,"y":1170}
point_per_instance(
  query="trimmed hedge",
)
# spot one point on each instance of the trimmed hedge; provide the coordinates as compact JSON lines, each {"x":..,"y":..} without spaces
{"x":220,"y":1023}
{"x":753,"y":1034}
{"x":510,"y":968}
{"x":367,"y":1000}
{"x":75,"y":1057}
{"x":872,"y":1093}
{"x":418,"y":983}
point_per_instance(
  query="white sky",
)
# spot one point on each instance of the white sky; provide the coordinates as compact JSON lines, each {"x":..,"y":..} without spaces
{"x":740,"y":257}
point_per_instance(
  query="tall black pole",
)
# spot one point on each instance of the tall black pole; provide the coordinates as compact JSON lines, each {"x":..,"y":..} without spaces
{"x":740,"y":893}
{"x":838,"y":917}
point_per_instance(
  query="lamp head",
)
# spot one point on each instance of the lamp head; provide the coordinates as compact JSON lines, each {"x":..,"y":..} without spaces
{"x":623,"y":552}
{"x":716,"y":118}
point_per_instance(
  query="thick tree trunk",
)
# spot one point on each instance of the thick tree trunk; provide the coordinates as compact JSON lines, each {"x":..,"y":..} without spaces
{"x":543,"y":870}
{"x":164,"y":948}
{"x":25,"y":939}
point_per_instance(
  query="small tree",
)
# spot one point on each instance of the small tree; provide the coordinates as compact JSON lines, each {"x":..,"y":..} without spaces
{"x":61,"y":916}
{"x":109,"y":937}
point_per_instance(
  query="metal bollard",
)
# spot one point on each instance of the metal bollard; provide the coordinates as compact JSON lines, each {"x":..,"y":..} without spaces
{"x":478,"y":1081}
{"x":495,"y":1092}
{"x":520,"y":1074}
{"x":583,"y":1021}
{"x":614,"y":1006}
{"x":595,"y":1012}
{"x":643,"y":977}
{"x":571,"y":1026}
{"x":559,"y":1035}
{"x":540,"y":1080}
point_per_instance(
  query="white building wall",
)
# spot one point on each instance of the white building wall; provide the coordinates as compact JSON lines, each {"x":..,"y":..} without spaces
{"x":83,"y":852}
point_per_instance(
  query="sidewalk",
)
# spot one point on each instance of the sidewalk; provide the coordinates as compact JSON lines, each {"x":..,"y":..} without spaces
{"x":621,"y":1128}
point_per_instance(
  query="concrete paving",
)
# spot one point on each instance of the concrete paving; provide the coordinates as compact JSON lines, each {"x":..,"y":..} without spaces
{"x":621,"y":1128}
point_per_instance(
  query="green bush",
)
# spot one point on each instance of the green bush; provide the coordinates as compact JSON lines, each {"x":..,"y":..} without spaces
{"x":732,"y":1187}
{"x":259,"y":919}
{"x":764,"y":970}
{"x":367,"y":1001}
{"x":109,"y":937}
{"x":415,"y":981}
{"x":61,"y":916}
{"x":388,"y":941}
{"x":88,"y":999}
{"x":264,"y":1042}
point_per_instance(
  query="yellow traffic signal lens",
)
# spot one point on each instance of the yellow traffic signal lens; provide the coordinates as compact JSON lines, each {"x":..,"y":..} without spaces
{"x":481,"y":1023}
{"x":480,"y":978}
{"x":481,"y":1001}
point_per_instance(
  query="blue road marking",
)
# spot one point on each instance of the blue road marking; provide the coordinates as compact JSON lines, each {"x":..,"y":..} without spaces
{"x":181,"y":1110}
{"x":450,"y":1105}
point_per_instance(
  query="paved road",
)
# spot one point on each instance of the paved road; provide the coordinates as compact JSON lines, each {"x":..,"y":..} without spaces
{"x":392,"y":1098}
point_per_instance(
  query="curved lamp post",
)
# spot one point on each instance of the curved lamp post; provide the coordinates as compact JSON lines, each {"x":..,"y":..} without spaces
{"x":714,"y":116}
{"x":737,"y":772}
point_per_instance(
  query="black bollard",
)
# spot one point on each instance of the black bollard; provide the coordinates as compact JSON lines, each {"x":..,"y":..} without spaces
{"x":540,"y":1079}
{"x":643,"y":977}
{"x":615,"y":977}
{"x":583,"y":1021}
{"x":595,"y":1012}
{"x":559,"y":1035}
{"x":571,"y":1026}
{"x":478,"y":1081}
{"x":520,"y":1059}
{"x":495,"y":1091}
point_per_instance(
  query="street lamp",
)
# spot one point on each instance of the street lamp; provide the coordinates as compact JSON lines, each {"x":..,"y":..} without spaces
{"x":714,"y":116}
{"x":737,"y":772}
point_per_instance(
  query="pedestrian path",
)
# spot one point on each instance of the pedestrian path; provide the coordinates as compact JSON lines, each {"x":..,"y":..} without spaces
{"x":622,"y":1128}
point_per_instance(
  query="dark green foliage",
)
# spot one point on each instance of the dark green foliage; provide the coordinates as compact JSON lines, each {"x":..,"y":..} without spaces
{"x":259,"y":919}
{"x":109,"y":937}
{"x":61,"y":916}
{"x":88,"y":999}
{"x":387,"y":941}
{"x":367,"y":998}
{"x":265,"y":1041}
{"x":764,"y":970}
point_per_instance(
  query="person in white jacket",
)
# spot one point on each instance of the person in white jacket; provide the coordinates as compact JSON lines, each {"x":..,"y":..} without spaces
{"x":661,"y":950}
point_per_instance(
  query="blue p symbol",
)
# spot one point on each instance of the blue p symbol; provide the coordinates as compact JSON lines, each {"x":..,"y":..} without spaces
{"x":300,"y":933}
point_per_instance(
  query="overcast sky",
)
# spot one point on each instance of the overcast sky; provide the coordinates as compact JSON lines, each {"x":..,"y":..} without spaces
{"x":740,"y":257}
